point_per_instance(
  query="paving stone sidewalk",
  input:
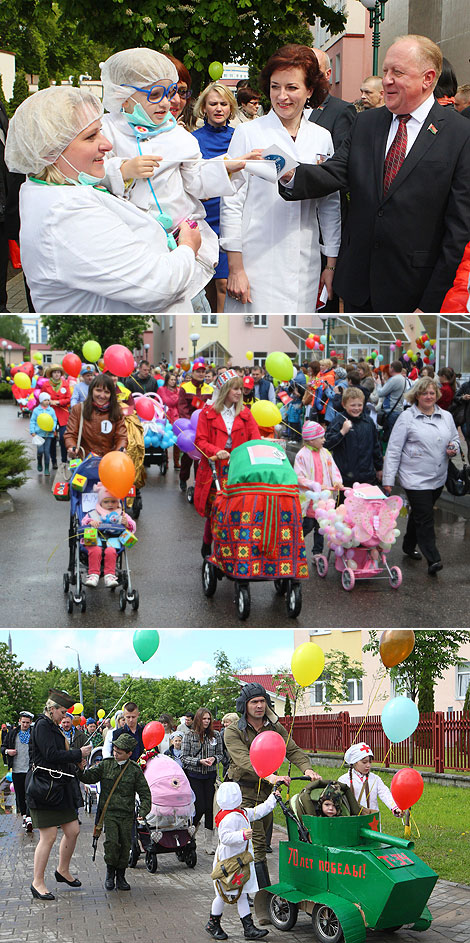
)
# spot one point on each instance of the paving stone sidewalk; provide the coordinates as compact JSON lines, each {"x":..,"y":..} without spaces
{"x":171,"y":905}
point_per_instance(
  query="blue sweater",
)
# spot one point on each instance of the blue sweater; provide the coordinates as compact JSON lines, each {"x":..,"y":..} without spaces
{"x":33,"y":422}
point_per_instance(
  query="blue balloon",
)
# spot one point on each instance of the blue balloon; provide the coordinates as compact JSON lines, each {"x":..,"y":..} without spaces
{"x":400,"y":718}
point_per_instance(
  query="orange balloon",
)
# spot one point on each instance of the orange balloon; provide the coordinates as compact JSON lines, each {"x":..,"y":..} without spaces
{"x":117,"y":473}
{"x":396,"y":645}
{"x":185,"y":364}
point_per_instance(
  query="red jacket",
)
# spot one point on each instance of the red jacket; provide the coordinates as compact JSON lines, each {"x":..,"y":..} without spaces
{"x":457,"y":298}
{"x":63,"y":395}
{"x":170,"y":397}
{"x":211,"y":436}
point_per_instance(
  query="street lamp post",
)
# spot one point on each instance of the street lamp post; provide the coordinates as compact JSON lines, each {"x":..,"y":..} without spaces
{"x":194,"y":339}
{"x":80,"y":689}
{"x":376,"y":10}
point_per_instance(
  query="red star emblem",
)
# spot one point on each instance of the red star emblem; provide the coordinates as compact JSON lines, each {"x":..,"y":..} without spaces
{"x":237,"y":880}
{"x":374,"y":825}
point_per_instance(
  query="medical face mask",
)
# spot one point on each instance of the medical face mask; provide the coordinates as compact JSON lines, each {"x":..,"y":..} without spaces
{"x":83,"y":178}
{"x":140,"y":119}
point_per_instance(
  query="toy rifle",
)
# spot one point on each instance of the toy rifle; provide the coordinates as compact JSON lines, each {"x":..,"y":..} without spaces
{"x":304,"y":834}
{"x":98,"y":827}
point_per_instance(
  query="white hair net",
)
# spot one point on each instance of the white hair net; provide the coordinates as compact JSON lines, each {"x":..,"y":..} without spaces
{"x":45,"y":124}
{"x":139,"y":67}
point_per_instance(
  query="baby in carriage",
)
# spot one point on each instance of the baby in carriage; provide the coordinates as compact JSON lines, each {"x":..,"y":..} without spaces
{"x":108,"y":511}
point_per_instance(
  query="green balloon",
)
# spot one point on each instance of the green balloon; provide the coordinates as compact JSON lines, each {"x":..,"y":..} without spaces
{"x":280,"y":366}
{"x":216,"y":70}
{"x":145,"y":642}
{"x":91,"y":351}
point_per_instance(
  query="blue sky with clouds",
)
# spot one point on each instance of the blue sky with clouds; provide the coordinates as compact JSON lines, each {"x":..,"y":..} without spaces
{"x":186,"y":653}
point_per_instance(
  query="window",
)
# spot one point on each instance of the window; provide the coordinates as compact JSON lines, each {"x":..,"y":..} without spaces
{"x":338,"y":68}
{"x":463,"y":679}
{"x":162,"y":322}
{"x":209,"y":320}
{"x":259,"y":356}
{"x":317,"y":693}
{"x":319,"y":632}
{"x":46,"y":358}
{"x":290,"y":320}
{"x":354,"y":686}
{"x":260,"y":320}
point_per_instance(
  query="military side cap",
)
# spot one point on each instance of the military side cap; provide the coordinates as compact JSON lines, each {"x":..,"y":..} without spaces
{"x":125,"y":742}
{"x":61,"y":698}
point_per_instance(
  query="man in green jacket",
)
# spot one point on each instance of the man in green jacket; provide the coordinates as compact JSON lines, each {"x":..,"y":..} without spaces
{"x":257,"y":715}
{"x":119,"y":815}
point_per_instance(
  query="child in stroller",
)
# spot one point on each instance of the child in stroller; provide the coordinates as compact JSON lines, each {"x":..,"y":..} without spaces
{"x":107,"y":510}
{"x":167,"y":829}
{"x":92,"y":790}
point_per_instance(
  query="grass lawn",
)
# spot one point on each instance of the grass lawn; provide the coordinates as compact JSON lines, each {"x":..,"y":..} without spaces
{"x":442,"y":816}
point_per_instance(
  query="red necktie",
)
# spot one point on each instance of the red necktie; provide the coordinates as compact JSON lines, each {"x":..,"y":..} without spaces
{"x":396,"y":153}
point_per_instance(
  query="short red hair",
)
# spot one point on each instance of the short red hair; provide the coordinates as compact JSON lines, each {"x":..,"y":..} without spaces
{"x":295,"y":56}
{"x":183,"y":74}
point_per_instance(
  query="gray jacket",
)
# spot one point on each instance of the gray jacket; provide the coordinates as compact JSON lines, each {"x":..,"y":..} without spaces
{"x":416,"y":450}
{"x":394,"y":389}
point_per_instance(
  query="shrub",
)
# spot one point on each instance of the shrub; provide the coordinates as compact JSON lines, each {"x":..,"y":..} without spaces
{"x":5,"y":391}
{"x":14,"y":464}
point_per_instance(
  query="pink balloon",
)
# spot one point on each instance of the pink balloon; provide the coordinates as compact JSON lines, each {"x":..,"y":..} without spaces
{"x":267,"y":752}
{"x":194,"y":454}
{"x":41,"y":382}
{"x":12,"y":788}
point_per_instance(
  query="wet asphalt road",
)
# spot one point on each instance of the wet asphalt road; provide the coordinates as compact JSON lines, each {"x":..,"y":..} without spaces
{"x":166,"y":569}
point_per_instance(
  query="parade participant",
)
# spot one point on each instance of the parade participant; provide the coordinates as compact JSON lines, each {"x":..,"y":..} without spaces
{"x":202,"y":753}
{"x":366,"y":786}
{"x":155,"y":163}
{"x":263,"y":388}
{"x":44,"y":450}
{"x":168,"y":726}
{"x":227,"y":719}
{"x":234,"y":834}
{"x":55,"y":138}
{"x":58,"y":387}
{"x":448,"y":381}
{"x":180,"y":104}
{"x":321,"y":389}
{"x":407,"y":226}
{"x":192,"y":395}
{"x":423,"y":440}
{"x":49,"y":749}
{"x":94,"y":736}
{"x":131,"y":725}
{"x":15,"y":750}
{"x":108,"y":510}
{"x":186,"y":723}
{"x":103,"y":429}
{"x":175,"y":748}
{"x":265,"y":243}
{"x":80,"y":390}
{"x":216,"y":106}
{"x":329,"y":803}
{"x":142,"y":380}
{"x":316,"y":471}
{"x":169,"y":395}
{"x":353,"y":440}
{"x":248,"y":104}
{"x":392,"y":394}
{"x":119,"y":721}
{"x":121,"y":779}
{"x":257,"y":714}
{"x":221,"y":427}
{"x":66,"y":726}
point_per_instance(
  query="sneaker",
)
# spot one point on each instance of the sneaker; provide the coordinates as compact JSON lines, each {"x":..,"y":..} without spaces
{"x":29,"y":824}
{"x":54,"y":466}
{"x":110,"y":580}
{"x":183,"y":485}
{"x":24,"y":821}
{"x":92,"y":579}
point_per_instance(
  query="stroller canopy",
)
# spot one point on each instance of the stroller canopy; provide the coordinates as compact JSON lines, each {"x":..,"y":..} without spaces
{"x":260,"y":460}
{"x":169,"y":785}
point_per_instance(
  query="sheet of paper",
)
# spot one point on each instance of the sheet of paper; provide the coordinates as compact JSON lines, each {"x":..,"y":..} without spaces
{"x":276,"y":162}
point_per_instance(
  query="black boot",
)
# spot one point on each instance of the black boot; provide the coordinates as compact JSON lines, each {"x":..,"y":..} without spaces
{"x":121,"y":883}
{"x":250,"y":931}
{"x":214,"y":928}
{"x":110,"y":875}
{"x":262,"y":874}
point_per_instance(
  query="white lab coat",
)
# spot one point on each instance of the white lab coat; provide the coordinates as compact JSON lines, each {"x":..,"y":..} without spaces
{"x":280,"y":241}
{"x":83,"y":250}
{"x":231,"y":841}
{"x":181,"y":181}
{"x":374,"y":790}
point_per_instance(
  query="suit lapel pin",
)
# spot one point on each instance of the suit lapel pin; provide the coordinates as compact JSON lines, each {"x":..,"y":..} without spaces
{"x":432,"y":128}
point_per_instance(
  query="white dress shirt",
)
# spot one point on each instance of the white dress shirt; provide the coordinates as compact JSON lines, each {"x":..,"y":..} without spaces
{"x":413,"y":125}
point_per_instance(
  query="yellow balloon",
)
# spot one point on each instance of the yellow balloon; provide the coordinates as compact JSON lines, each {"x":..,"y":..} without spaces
{"x":45,"y":422}
{"x":77,"y":708}
{"x":249,"y":355}
{"x":101,"y":713}
{"x":113,"y":722}
{"x":307,"y":663}
{"x":37,"y":356}
{"x":22,"y":381}
{"x":266,"y":413}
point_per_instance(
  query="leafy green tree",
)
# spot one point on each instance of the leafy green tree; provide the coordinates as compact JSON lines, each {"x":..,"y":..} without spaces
{"x":11,"y":328}
{"x":339,"y":668}
{"x":223,"y":689}
{"x":70,"y":333}
{"x":433,"y":653}
{"x":2,"y":95}
{"x":287,"y":707}
{"x":466,"y":703}
{"x":20,"y":92}
{"x":14,"y":464}
{"x":43,"y":80}
{"x":155,"y":696}
{"x":15,"y":686}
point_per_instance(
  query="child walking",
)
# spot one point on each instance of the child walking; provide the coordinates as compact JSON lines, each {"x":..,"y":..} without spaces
{"x":233,"y":824}
{"x":108,"y":510}
{"x":316,"y":471}
{"x":366,"y":786}
{"x":36,"y":429}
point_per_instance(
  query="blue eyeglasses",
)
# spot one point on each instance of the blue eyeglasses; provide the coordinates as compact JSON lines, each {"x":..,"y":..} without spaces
{"x":157,"y":93}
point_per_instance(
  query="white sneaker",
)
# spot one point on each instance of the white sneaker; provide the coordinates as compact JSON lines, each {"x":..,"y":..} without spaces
{"x":92,"y":579}
{"x":24,"y":821}
{"x":110,"y":580}
{"x":29,"y":824}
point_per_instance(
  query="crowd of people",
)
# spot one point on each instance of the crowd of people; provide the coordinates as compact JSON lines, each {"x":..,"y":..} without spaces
{"x":157,"y":201}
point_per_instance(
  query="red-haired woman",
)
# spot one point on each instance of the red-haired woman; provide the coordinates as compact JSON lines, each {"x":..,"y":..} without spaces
{"x":201,"y":754}
{"x":266,"y":240}
{"x":180,"y":105}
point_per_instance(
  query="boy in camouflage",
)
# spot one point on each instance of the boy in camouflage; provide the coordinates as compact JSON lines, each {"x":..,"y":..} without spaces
{"x":119,"y":814}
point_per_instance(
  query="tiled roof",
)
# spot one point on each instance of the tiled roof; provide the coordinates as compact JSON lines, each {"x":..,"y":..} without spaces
{"x":12,"y":344}
{"x":266,"y":680}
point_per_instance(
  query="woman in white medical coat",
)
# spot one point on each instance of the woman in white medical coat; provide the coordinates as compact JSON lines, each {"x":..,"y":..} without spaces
{"x":82,"y":249}
{"x":274,"y":248}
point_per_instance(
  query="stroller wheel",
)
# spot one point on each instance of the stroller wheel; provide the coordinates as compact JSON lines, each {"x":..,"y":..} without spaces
{"x":164,"y":464}
{"x":321,"y":564}
{"x":348,"y":579}
{"x":66,"y":582}
{"x":280,"y":586}
{"x":293,"y":599}
{"x":326,"y":926}
{"x":83,"y":601}
{"x":243,"y":600}
{"x":282,"y":913}
{"x":209,"y":578}
{"x":134,"y":600}
{"x":134,"y":855}
{"x":191,"y":858}
{"x":151,"y":862}
{"x":122,"y":600}
{"x":190,"y":495}
{"x":396,"y":577}
{"x":70,"y":602}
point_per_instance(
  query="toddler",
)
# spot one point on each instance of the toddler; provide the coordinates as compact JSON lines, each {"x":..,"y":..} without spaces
{"x":43,"y":449}
{"x":316,"y":471}
{"x":108,"y":510}
{"x":366,"y":786}
{"x":329,"y":803}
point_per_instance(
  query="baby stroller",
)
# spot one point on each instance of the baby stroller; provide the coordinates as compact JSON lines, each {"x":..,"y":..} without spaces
{"x":81,"y":502}
{"x":257,"y":527}
{"x":360,"y":533}
{"x":170,"y":830}
{"x":92,"y":790}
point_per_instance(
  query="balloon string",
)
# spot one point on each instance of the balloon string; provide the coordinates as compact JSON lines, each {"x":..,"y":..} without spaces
{"x":113,"y":709}
{"x":376,"y":694}
{"x":287,"y":742}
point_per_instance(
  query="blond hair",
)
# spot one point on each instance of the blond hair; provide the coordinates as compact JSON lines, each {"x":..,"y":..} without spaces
{"x":428,"y":54}
{"x":326,"y":363}
{"x":234,"y":384}
{"x":420,"y":387}
{"x":231,"y":717}
{"x":223,"y":91}
{"x":50,"y":174}
{"x":352,"y":392}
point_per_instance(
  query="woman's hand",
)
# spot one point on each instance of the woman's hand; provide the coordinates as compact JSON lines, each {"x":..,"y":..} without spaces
{"x":207,"y":761}
{"x":232,"y":164}
{"x":387,"y":489}
{"x":379,"y":474}
{"x":10,"y":752}
{"x":72,"y":452}
{"x":86,"y":750}
{"x":451,"y":451}
{"x":190,"y":236}
{"x":139,"y":168}
{"x":238,"y":286}
{"x":222,"y":454}
{"x":274,"y":780}
{"x":326,"y":279}
{"x":288,"y":176}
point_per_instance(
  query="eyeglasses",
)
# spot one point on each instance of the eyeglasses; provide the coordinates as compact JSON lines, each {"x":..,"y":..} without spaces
{"x":184,"y":93}
{"x":157,"y":93}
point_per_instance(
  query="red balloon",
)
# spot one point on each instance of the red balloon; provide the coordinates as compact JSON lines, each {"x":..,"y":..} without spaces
{"x":145,"y":408}
{"x":310,"y":343}
{"x":398,"y":343}
{"x":321,"y":346}
{"x":407,"y":787}
{"x":118,"y":360}
{"x":153,"y":734}
{"x":333,"y":353}
{"x":267,"y":752}
{"x":82,"y":721}
{"x":28,"y":368}
{"x":17,"y":393}
{"x":72,"y":365}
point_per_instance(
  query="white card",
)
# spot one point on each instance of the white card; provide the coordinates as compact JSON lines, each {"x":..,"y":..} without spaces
{"x":276,"y":162}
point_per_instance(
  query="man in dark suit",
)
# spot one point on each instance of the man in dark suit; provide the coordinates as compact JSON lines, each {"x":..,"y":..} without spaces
{"x":334,"y":114}
{"x":407,"y":167}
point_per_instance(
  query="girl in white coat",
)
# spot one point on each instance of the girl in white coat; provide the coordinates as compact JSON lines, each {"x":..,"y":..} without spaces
{"x":366,"y":786}
{"x":233,"y":824}
{"x":274,"y":247}
{"x":155,"y":163}
{"x":82,"y":249}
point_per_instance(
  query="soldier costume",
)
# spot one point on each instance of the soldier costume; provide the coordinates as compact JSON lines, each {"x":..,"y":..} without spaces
{"x":119,"y":814}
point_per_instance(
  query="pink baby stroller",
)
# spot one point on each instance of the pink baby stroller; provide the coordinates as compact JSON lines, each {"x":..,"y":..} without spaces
{"x":360,"y":533}
{"x":168,"y":828}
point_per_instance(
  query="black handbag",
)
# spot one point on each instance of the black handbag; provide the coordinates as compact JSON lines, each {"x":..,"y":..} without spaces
{"x":458,"y":479}
{"x":45,"y":787}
